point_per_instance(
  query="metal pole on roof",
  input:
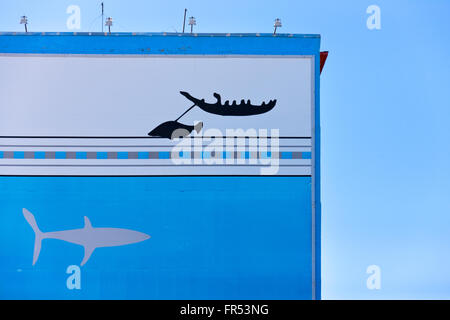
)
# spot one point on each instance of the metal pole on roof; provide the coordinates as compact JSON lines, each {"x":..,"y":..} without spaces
{"x":109,"y":22}
{"x":24,"y":21}
{"x":184,"y":20}
{"x":276,"y":25}
{"x":192,"y":22}
{"x":102,"y":16}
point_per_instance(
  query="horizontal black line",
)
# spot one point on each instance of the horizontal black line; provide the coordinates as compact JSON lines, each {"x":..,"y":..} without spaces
{"x":151,"y":165}
{"x":79,"y":137}
{"x":132,"y":137}
{"x":153,"y":175}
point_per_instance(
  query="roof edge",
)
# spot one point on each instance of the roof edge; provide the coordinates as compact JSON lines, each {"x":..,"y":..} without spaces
{"x":160,"y":34}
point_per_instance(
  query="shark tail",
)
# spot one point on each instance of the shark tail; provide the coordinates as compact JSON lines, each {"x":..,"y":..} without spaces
{"x":38,"y":234}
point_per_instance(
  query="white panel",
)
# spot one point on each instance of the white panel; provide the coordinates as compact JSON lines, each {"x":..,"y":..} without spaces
{"x":125,"y":96}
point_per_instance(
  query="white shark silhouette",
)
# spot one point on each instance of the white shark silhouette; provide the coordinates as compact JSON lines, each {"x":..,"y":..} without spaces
{"x":88,"y":237}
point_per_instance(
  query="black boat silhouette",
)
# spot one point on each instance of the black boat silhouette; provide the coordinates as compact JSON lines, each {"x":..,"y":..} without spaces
{"x":242,"y":109}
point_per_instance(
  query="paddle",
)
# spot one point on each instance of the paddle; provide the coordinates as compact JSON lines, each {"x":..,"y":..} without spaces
{"x":186,"y":112}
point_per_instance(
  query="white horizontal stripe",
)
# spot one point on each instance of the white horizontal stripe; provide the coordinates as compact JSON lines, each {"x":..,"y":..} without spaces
{"x":137,"y":171}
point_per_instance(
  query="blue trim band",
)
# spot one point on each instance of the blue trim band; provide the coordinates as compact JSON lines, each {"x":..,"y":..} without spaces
{"x":102,"y":155}
{"x":159,"y":43}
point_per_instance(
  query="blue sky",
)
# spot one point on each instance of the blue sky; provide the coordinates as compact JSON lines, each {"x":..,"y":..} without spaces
{"x":385,"y":109}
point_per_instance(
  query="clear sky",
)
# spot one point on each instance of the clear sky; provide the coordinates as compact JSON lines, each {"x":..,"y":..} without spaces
{"x":385,"y":111}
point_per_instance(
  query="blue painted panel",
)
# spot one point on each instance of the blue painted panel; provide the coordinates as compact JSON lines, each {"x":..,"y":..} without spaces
{"x":19,"y":154}
{"x":142,"y":155}
{"x":211,"y":238}
{"x":158,"y":43}
{"x":60,"y":155}
{"x":81,"y":155}
{"x":122,"y":155}
{"x":39,"y":155}
{"x":306,"y":155}
{"x":102,"y":155}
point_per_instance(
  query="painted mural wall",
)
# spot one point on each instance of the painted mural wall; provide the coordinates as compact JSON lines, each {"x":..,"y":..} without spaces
{"x":186,"y":175}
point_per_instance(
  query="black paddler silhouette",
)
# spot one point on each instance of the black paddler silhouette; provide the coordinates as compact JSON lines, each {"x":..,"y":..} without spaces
{"x":174,"y":130}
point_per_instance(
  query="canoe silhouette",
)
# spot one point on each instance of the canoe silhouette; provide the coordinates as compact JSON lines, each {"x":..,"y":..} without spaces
{"x":244,"y":108}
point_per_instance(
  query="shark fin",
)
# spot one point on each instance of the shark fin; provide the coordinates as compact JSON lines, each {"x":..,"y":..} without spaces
{"x":87,"y":254}
{"x":87,"y":250}
{"x":87,"y":223}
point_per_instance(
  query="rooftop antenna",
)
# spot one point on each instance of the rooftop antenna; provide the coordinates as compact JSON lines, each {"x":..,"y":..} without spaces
{"x":24,"y":21}
{"x":276,"y":25}
{"x":109,"y":22}
{"x":192,"y":22}
{"x":184,"y":20}
{"x":102,"y":16}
